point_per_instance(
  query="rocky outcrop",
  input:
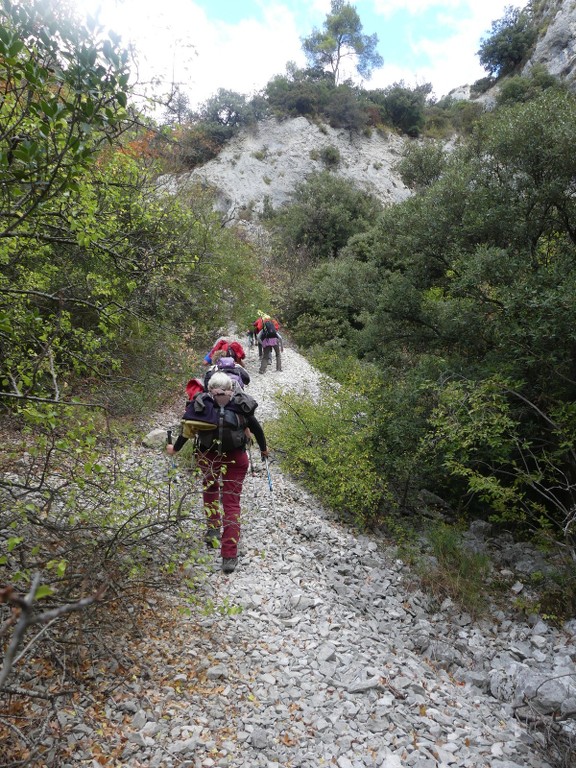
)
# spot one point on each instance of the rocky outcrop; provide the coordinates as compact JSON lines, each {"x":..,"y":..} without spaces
{"x":262,"y":165}
{"x":556,"y":46}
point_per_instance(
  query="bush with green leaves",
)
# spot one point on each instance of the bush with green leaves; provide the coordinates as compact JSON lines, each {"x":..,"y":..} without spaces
{"x":299,"y":93}
{"x":372,"y":418}
{"x":509,"y":43}
{"x":226,"y":108}
{"x":193,"y":144}
{"x":451,"y":116}
{"x":330,"y":156}
{"x":422,"y":164}
{"x":328,"y":445}
{"x":473,"y":279}
{"x":514,"y":459}
{"x":323,"y":212}
{"x":323,"y":307}
{"x":402,"y":107}
{"x":64,"y":94}
{"x":346,"y":109}
{"x":66,"y":295}
{"x":523,"y":88}
{"x":465,"y":116}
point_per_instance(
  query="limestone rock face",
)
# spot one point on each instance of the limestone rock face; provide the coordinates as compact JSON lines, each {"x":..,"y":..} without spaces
{"x":556,"y":47}
{"x":263,"y":164}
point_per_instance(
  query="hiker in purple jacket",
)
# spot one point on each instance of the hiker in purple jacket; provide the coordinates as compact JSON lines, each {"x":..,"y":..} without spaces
{"x":270,"y":339}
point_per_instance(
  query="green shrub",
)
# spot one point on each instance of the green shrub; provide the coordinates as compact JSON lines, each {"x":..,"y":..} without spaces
{"x":154,"y":363}
{"x":521,"y":89}
{"x":422,"y":164}
{"x":328,"y":445}
{"x":330,"y":156}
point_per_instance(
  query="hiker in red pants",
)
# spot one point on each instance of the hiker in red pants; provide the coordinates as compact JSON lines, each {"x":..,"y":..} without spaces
{"x":225,"y":419}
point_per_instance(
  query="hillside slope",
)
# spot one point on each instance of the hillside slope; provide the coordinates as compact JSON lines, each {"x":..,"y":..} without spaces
{"x":325,"y":653}
{"x":265,"y":163}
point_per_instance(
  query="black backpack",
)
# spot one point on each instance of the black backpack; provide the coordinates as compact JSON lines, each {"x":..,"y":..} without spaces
{"x":269,"y":330}
{"x":223,"y":428}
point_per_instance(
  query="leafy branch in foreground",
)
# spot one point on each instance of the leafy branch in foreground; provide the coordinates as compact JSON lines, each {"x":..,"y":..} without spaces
{"x":87,"y":535}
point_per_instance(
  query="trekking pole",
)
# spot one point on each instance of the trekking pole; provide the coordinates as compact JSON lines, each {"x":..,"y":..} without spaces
{"x":270,"y":484}
{"x":170,"y":471}
{"x":269,"y":475}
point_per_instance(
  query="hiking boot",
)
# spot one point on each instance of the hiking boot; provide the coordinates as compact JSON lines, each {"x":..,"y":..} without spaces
{"x":212,"y":537}
{"x":229,"y":564}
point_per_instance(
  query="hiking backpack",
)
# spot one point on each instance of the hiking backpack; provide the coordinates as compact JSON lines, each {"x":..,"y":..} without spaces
{"x":269,"y":330}
{"x":216,"y":428}
{"x":229,"y":366}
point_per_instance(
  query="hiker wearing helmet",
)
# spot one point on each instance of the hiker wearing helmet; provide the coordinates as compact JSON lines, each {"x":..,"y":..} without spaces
{"x":225,"y":420}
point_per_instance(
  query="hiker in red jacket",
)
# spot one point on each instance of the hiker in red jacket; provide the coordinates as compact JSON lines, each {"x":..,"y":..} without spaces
{"x":230,"y":348}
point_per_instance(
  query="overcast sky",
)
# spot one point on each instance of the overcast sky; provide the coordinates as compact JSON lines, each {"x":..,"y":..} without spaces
{"x":241,"y":44}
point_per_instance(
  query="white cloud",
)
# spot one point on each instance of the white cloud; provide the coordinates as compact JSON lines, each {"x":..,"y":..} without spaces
{"x":178,"y":43}
{"x":243,"y":57}
{"x":490,"y":9}
{"x":389,"y":7}
{"x":450,"y":46}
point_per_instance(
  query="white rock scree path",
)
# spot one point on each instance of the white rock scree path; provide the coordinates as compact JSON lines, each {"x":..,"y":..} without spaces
{"x":335,"y":659}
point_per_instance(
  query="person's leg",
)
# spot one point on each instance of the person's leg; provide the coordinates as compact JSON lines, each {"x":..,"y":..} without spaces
{"x":266,"y":351}
{"x":259,"y":350}
{"x":210,"y":466}
{"x":278,"y":358}
{"x":234,"y":473}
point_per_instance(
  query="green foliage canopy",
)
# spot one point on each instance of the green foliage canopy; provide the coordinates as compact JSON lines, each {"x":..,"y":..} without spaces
{"x":325,"y":211}
{"x":402,"y":107}
{"x":422,"y":164}
{"x":89,"y":242}
{"x":342,"y":37}
{"x":63,"y":96}
{"x":464,"y":293}
{"x":511,"y":39}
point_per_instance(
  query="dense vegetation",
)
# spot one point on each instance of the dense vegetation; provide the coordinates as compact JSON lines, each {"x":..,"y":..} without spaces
{"x":448,"y":321}
{"x":110,"y":286}
{"x":457,"y":306}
